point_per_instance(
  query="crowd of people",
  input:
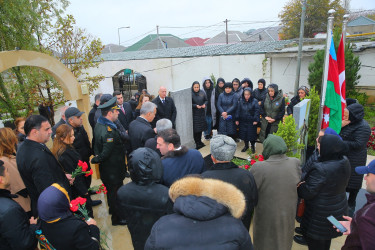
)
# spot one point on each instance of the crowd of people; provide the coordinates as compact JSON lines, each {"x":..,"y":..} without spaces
{"x":174,"y":199}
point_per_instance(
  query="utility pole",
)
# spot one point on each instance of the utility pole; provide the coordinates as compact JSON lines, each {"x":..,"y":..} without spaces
{"x":301,"y":31}
{"x":226,"y":30}
{"x":157,"y":32}
{"x":118,"y":32}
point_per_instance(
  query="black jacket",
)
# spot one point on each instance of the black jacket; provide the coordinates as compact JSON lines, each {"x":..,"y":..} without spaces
{"x":15,"y":230}
{"x":199,"y":115}
{"x":139,"y":132}
{"x":92,"y":117}
{"x":82,"y":144}
{"x":69,"y":161}
{"x":166,"y":110}
{"x":39,"y":169}
{"x":127,"y":118}
{"x":109,"y":152}
{"x":247,"y":113}
{"x":202,"y":221}
{"x":356,"y":136}
{"x":324,"y":189}
{"x":295,"y":100}
{"x":71,"y":233}
{"x":143,"y":201}
{"x":260,"y":95}
{"x":242,"y":179}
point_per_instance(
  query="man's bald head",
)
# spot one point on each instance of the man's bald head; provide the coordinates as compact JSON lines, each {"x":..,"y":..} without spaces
{"x":162,"y":92}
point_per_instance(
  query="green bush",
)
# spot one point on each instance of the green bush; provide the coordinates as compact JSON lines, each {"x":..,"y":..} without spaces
{"x":287,"y":130}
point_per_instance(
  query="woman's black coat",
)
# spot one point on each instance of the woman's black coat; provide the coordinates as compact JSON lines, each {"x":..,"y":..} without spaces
{"x":199,"y":115}
{"x":71,"y":233}
{"x":356,"y":136}
{"x":295,"y":100}
{"x":227,"y":103}
{"x":324,"y":189}
{"x":247,"y":113}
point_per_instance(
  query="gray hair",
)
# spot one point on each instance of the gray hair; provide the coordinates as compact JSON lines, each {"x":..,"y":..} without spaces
{"x":223,"y":147}
{"x":147,"y":107}
{"x":163,"y":124}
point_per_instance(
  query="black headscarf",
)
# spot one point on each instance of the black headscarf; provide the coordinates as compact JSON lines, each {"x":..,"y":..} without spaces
{"x":192,"y":89}
{"x":145,"y":166}
{"x":219,"y":90}
{"x":208,"y":90}
{"x":332,"y":148}
{"x":274,"y":87}
{"x":249,"y":82}
{"x":356,"y":112}
{"x":251,"y":94}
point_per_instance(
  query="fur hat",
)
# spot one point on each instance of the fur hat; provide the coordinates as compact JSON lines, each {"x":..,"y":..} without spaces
{"x":223,"y":147}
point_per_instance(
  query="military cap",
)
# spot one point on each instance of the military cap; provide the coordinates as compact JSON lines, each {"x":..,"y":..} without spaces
{"x":111,"y":104}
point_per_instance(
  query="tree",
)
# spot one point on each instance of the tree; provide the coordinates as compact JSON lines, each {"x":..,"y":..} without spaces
{"x":352,"y":67}
{"x":315,"y":19}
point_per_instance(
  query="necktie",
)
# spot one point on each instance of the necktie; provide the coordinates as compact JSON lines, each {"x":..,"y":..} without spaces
{"x":122,"y":109}
{"x":163,"y":101}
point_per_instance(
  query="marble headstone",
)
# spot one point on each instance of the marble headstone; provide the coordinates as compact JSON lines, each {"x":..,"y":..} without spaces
{"x":301,"y":113}
{"x":184,"y":119}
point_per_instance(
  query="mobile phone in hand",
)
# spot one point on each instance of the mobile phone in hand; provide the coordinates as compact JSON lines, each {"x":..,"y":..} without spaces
{"x":337,"y":224}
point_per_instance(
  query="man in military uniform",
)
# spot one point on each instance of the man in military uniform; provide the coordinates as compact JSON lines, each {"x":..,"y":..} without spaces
{"x":110,"y":154}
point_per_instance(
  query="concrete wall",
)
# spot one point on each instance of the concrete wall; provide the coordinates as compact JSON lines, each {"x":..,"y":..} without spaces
{"x":180,"y":73}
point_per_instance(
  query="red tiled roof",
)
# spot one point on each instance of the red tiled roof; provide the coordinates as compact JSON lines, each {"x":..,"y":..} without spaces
{"x":196,"y":41}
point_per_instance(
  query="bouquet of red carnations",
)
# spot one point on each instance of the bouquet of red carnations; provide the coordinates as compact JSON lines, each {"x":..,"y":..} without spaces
{"x":98,"y":189}
{"x":254,"y":158}
{"x":79,"y":205}
{"x":82,"y":169}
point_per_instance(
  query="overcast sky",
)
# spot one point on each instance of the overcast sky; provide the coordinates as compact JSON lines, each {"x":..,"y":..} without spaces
{"x":103,"y":18}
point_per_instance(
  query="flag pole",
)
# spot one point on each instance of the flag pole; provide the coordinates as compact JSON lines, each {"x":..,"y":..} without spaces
{"x":326,"y":62}
{"x":345,"y":22}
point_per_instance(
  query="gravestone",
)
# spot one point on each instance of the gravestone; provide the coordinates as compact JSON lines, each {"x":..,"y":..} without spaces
{"x":301,"y":113}
{"x":184,"y":119}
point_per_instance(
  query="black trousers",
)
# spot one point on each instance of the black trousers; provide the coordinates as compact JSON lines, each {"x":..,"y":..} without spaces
{"x":112,"y":198}
{"x":352,"y":196}
{"x":317,"y":244}
{"x":198,"y":138}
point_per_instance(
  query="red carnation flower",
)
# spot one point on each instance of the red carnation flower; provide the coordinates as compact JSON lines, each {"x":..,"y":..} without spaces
{"x":90,"y":173}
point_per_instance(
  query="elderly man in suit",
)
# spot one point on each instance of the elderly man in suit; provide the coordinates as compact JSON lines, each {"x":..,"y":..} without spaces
{"x":140,"y":129}
{"x":165,"y":107}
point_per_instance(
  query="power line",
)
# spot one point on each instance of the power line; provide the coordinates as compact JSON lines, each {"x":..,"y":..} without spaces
{"x":138,"y":36}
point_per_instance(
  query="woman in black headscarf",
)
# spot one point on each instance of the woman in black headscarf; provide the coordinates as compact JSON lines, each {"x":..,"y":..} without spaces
{"x":323,"y":190}
{"x":261,"y":92}
{"x":208,"y":88}
{"x":199,"y":102}
{"x":219,"y":88}
{"x":247,"y":118}
{"x":60,"y":227}
{"x":303,"y":91}
{"x":272,"y":111}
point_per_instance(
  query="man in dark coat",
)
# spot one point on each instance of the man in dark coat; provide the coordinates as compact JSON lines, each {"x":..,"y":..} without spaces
{"x":207,"y":217}
{"x":323,"y":190}
{"x":93,"y":111}
{"x":62,"y":121}
{"x":15,"y":229}
{"x":355,"y":133}
{"x":110,"y":154}
{"x":143,"y":201}
{"x":165,"y":107}
{"x":178,"y":161}
{"x":140,"y":129}
{"x":37,"y":165}
{"x":362,"y":226}
{"x":126,"y":114}
{"x":161,"y":125}
{"x":222,"y":152}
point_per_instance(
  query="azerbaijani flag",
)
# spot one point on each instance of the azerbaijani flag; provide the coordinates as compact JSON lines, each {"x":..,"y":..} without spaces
{"x":341,"y":68}
{"x":332,"y":115}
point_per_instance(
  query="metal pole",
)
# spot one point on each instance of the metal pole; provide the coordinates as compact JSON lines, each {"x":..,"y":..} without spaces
{"x":326,"y":62}
{"x":118,"y":32}
{"x":226,"y":30}
{"x":157,"y":32}
{"x":345,"y":22}
{"x":301,"y":31}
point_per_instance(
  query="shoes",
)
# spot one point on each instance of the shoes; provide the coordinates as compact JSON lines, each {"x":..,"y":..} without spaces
{"x":298,"y":230}
{"x":207,"y":137}
{"x":119,"y":222}
{"x":200,"y":145}
{"x":96,"y":203}
{"x":244,"y":149}
{"x":253,"y":149}
{"x":300,"y":240}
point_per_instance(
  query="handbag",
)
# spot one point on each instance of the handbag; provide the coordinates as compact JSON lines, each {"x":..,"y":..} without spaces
{"x":301,"y":208}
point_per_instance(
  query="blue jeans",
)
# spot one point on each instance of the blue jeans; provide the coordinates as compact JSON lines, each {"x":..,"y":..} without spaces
{"x":209,"y":125}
